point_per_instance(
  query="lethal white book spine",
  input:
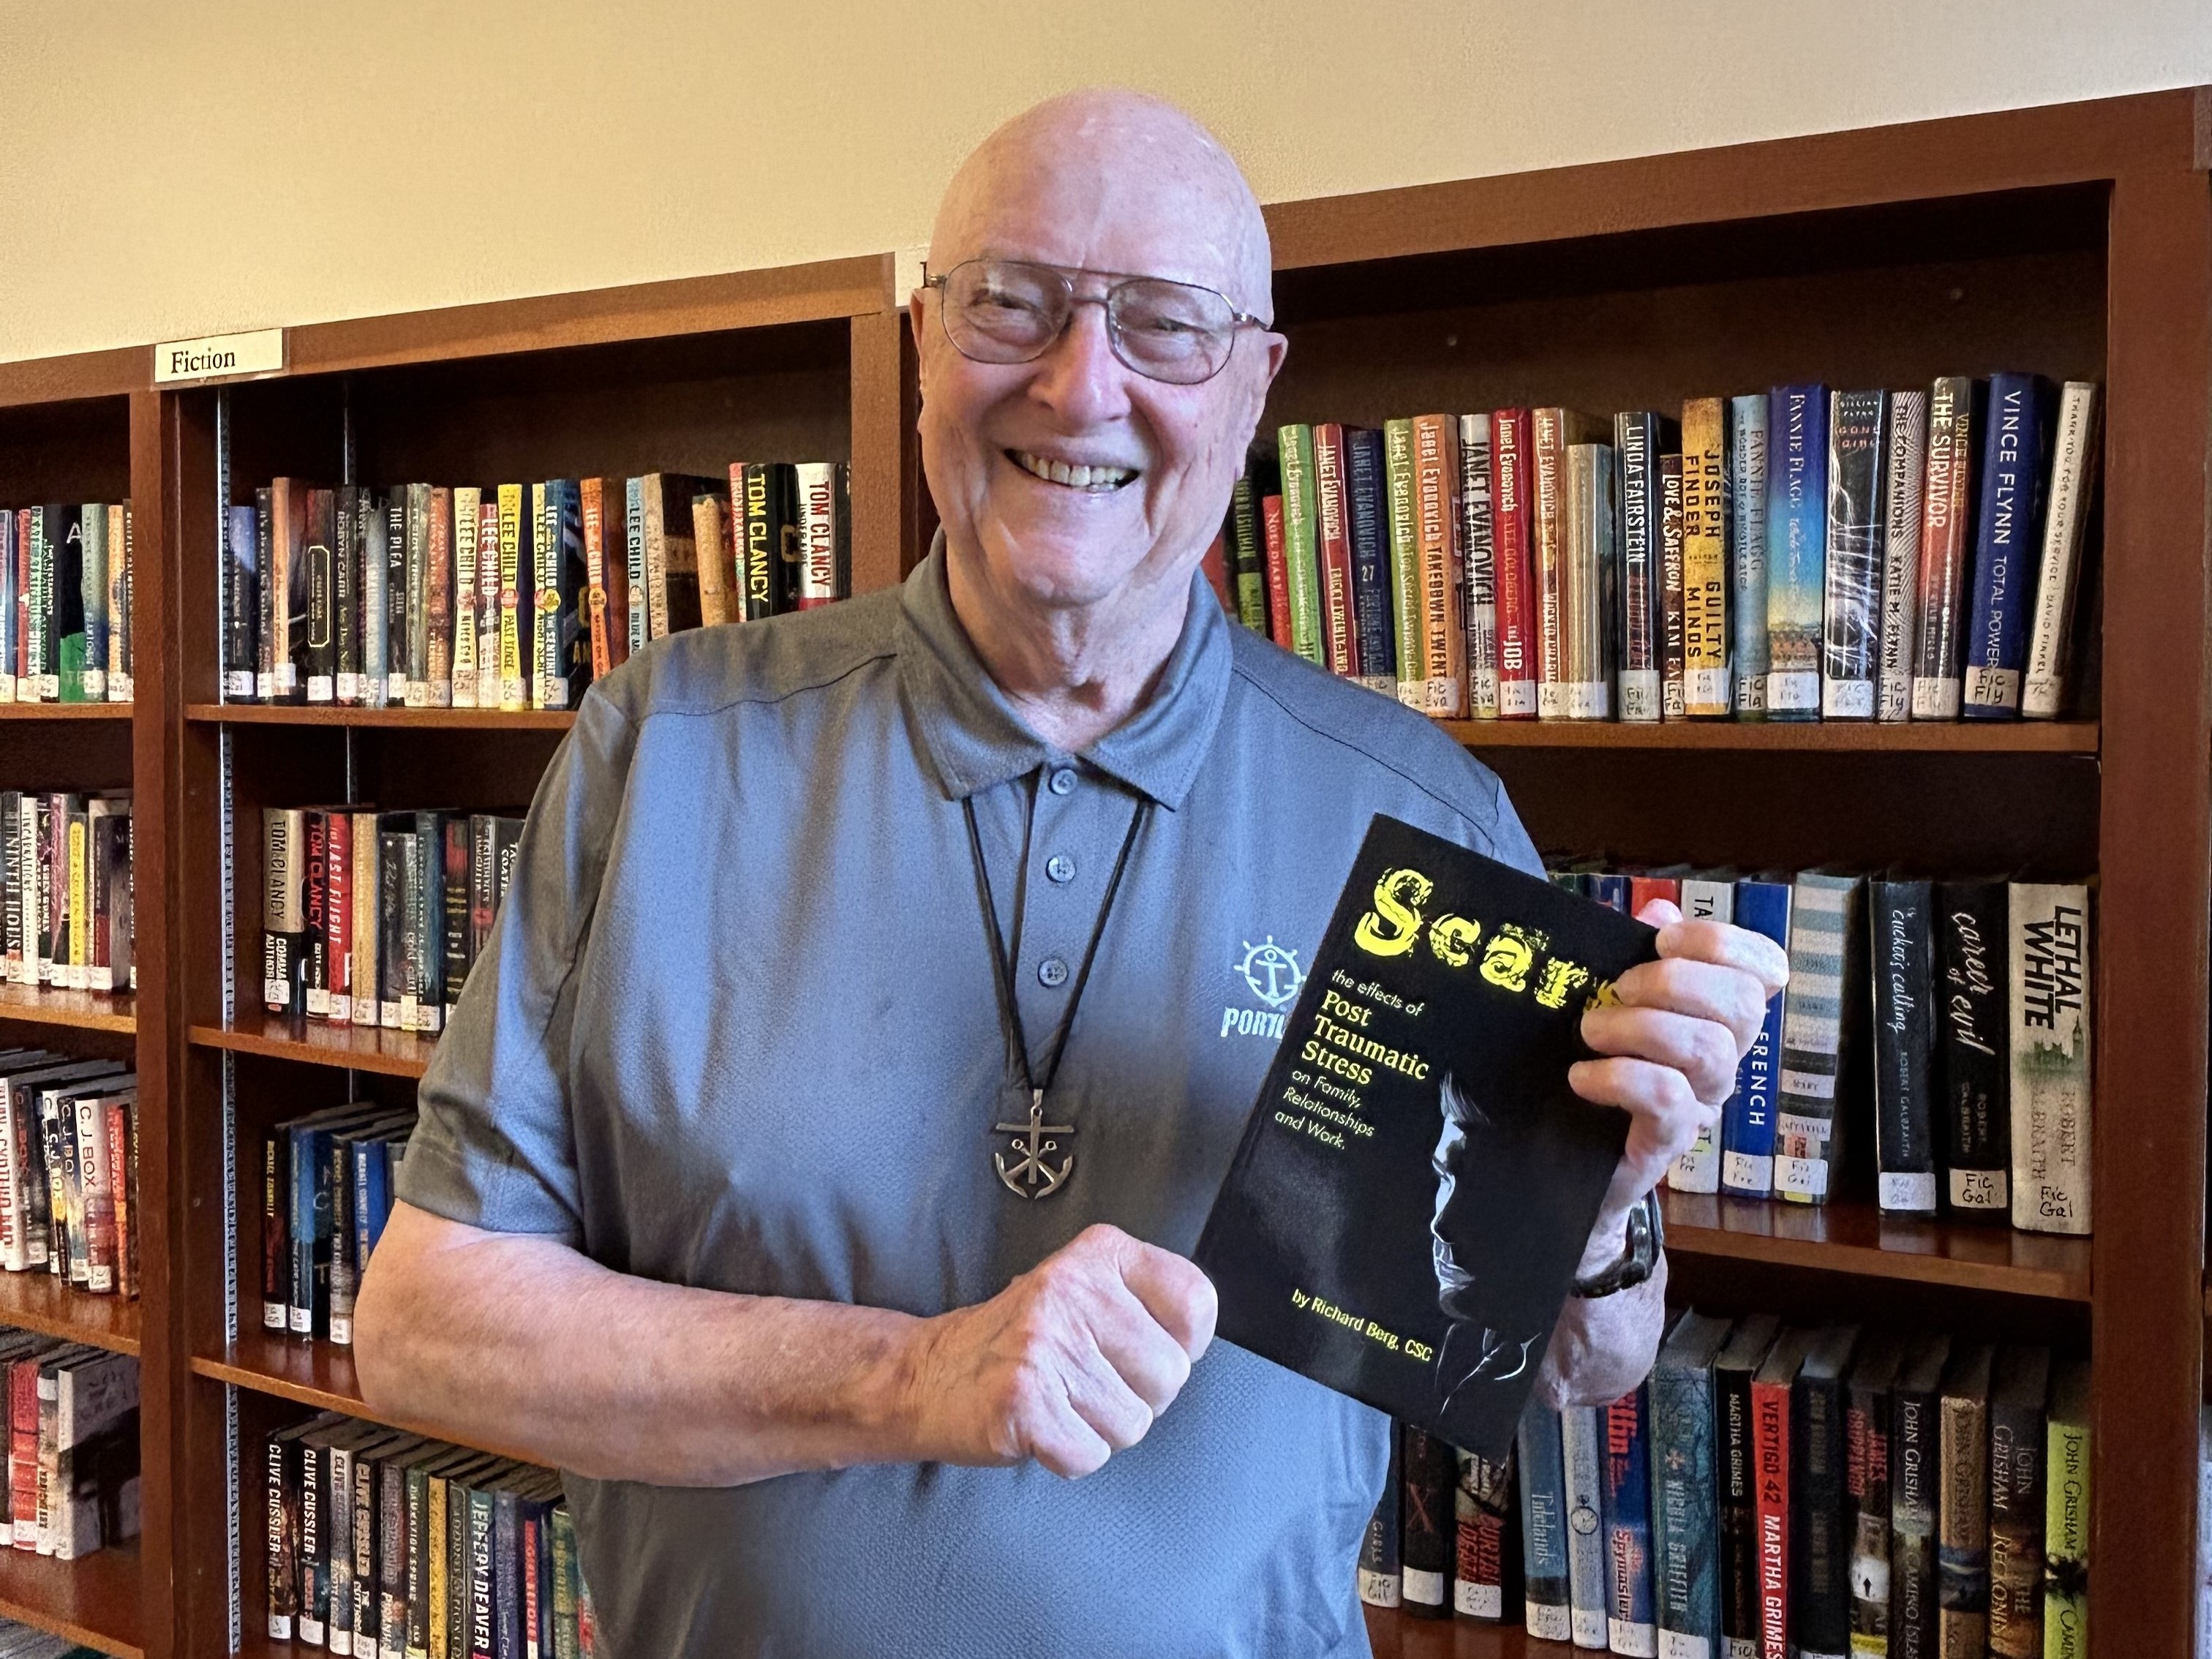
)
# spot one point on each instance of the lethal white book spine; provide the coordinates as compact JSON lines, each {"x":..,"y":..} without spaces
{"x":2050,"y":1061}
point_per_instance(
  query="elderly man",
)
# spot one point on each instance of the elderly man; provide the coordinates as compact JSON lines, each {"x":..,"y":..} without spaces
{"x":807,"y":1170}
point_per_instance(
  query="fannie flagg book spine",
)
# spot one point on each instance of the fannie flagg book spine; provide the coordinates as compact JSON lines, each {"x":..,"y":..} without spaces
{"x":1417,"y":1181}
{"x":1796,"y":549}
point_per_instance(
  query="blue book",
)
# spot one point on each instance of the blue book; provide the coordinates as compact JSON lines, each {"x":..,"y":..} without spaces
{"x":1748,"y":1120}
{"x":1582,"y":1448}
{"x":2008,"y":536}
{"x":1746,"y":551}
{"x":1367,"y":526}
{"x":1543,"y":1525}
{"x":1685,"y":1520}
{"x":1796,"y":549}
{"x":1625,"y":1485}
{"x":309,"y":1311}
{"x":1612,"y":890}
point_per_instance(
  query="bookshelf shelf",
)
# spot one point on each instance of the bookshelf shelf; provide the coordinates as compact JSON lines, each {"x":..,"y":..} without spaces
{"x":1817,"y":737}
{"x":37,"y":1301}
{"x":313,"y":1042}
{"x":87,"y":1010}
{"x":316,"y":1374}
{"x":93,"y":1599}
{"x":64,"y":711}
{"x":1397,"y":1635}
{"x":471,"y":719}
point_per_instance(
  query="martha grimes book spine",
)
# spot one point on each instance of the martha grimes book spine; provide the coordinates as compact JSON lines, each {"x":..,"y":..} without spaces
{"x":1380,"y":1563}
{"x":1479,"y":551}
{"x":1332,"y":543}
{"x":1510,"y":526}
{"x":2066,"y":1515}
{"x":2065,"y":523}
{"x":1747,"y":1120}
{"x":1902,"y":925}
{"x":1974,"y":1045}
{"x":1962,"y":1543}
{"x":1704,"y":558}
{"x":1582,"y":1441}
{"x":1248,"y":561}
{"x":1403,"y":520}
{"x":1674,"y":697}
{"x":1796,"y":549}
{"x":1771,"y":1389}
{"x":1435,"y":494}
{"x":1858,"y":425}
{"x":2018,"y":1390}
{"x":1954,"y":430}
{"x":2050,"y":1060}
{"x":1625,"y":1491}
{"x":2010,"y":534}
{"x":1368,"y":524}
{"x":1823,"y":994}
{"x":1635,"y":439}
{"x":1486,"y":1558}
{"x":1301,"y":542}
{"x":1904,"y":467}
{"x":1544,"y":1534}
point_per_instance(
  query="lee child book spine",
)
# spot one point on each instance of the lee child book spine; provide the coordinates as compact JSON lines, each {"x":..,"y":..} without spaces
{"x":1511,"y":526}
{"x":514,"y":602}
{"x":1974,"y":1036}
{"x":1706,"y":687}
{"x":1747,"y":1120}
{"x":1301,"y":543}
{"x":1367,"y":519}
{"x":1955,"y":433}
{"x":1425,"y":1546}
{"x":1859,"y":424}
{"x":2065,"y":522}
{"x":1588,"y":556}
{"x":1379,"y":1564}
{"x":1903,"y":938}
{"x":1635,"y":437}
{"x":1332,"y":540}
{"x":1582,"y":1443}
{"x":1631,"y":1627}
{"x":1823,"y":916}
{"x":1674,"y":646}
{"x":1796,"y":549}
{"x":241,"y":605}
{"x":1962,"y":1545}
{"x":2051,"y":1073}
{"x":605,"y":593}
{"x":1404,"y":521}
{"x":489,"y":540}
{"x":2066,"y":1515}
{"x":1479,"y":550}
{"x":1704,"y":898}
{"x":468,"y":530}
{"x":1904,"y":470}
{"x":2018,"y":1389}
{"x":2009,"y":534}
{"x":1545,"y":1598}
{"x":640,"y":613}
{"x":1436,"y":491}
{"x":563,"y":662}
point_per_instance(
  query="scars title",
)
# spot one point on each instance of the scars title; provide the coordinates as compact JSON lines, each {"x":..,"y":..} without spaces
{"x":1510,"y":956}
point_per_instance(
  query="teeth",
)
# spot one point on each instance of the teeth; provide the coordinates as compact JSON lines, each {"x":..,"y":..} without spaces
{"x":1076,"y":478}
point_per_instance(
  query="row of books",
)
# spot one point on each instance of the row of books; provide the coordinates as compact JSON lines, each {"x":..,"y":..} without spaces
{"x":68,"y":1170}
{"x":1795,"y":555}
{"x":65,"y":603}
{"x":373,"y":918}
{"x":328,"y":1184}
{"x":517,"y":596}
{"x":27,"y":1641}
{"x":1935,"y":1032}
{"x":1771,"y":1492}
{"x":66,"y":912}
{"x":72,"y":1444}
{"x":385,"y":1542}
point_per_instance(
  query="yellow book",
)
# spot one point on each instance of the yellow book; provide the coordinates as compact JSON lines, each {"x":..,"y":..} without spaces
{"x":513,"y":689}
{"x":1704,"y":558}
{"x":80,"y":903}
{"x":1436,"y":492}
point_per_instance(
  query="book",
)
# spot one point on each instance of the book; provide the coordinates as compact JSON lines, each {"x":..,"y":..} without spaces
{"x":1425,"y":1545}
{"x":719,"y":602}
{"x":1368,"y":524}
{"x":1796,"y":549}
{"x":1817,"y":1015}
{"x":63,"y":680}
{"x":1903,"y":468}
{"x":1553,"y":432}
{"x":1582,"y":1444}
{"x":671,"y":557}
{"x":1301,"y":542}
{"x":1248,"y":558}
{"x":92,"y":601}
{"x":517,"y":595}
{"x":1485,"y":1557}
{"x":2019,"y":1386}
{"x":2009,"y":534}
{"x":1511,"y":525}
{"x":822,"y":533}
{"x":1588,"y":555}
{"x":1478,"y":551}
{"x":1278,"y":569}
{"x":1705,"y":480}
{"x":1820,"y":1536}
{"x":1772,"y":1387}
{"x":1916,"y":1498}
{"x":2074,"y":451}
{"x":1435,"y":494}
{"x":1544,"y":1533}
{"x":1339,"y":629}
{"x":1955,"y":408}
{"x":1404,"y":1183}
{"x":122,"y":638}
{"x":1901,"y":923}
{"x":1684,"y":1519}
{"x":1704,"y":898}
{"x":1858,"y":431}
{"x":771,"y":533}
{"x":1401,"y":514}
{"x":283,"y":910}
{"x":423,"y":524}
{"x":2051,"y":973}
{"x":1624,"y":1492}
{"x":1674,"y":646}
{"x":1380,"y":1565}
{"x":1642,"y":594}
{"x":2066,"y":1515}
{"x":1747,"y":1120}
{"x":371,"y":527}
{"x":1866,"y":1488}
{"x":1962,"y":1544}
{"x":1974,"y":1045}
{"x":561,"y":662}
{"x":491,"y":538}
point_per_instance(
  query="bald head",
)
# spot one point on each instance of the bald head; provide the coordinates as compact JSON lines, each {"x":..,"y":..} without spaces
{"x":1110,"y":180}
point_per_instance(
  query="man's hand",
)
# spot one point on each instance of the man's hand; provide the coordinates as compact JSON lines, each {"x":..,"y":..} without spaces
{"x":1069,"y":1364}
{"x":1671,"y":1048}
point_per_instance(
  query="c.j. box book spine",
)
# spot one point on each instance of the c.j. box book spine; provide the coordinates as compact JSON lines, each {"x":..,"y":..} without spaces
{"x":1796,"y":549}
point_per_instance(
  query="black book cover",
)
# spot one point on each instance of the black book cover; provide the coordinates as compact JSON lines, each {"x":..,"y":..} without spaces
{"x":319,"y":663}
{"x":426,"y":921}
{"x":767,"y":537}
{"x":1974,"y":1034}
{"x":1866,"y":1443}
{"x":1736,"y":1476}
{"x":1429,"y":1543}
{"x":345,"y":595}
{"x":1820,"y":1545}
{"x":264,"y":594}
{"x":1903,"y":1044}
{"x":65,"y":598}
{"x":455,"y":898}
{"x":395,"y":857}
{"x":241,"y":604}
{"x":2021,"y":1385}
{"x":1417,"y":1182}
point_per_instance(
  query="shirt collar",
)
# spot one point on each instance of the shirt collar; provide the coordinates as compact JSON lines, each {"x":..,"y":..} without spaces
{"x":976,"y":740}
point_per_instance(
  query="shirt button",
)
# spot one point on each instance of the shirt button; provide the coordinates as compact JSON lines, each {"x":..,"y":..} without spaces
{"x":1063,"y":781}
{"x":1060,"y":867}
{"x":1052,"y":973}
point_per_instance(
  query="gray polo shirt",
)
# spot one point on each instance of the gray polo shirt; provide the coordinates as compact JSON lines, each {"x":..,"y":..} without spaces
{"x":736,"y":1027}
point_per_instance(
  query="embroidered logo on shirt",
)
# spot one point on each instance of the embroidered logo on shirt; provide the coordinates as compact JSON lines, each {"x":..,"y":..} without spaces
{"x":1271,"y":972}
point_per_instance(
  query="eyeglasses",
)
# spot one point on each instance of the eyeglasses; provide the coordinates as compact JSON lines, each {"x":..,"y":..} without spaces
{"x":1010,"y":311}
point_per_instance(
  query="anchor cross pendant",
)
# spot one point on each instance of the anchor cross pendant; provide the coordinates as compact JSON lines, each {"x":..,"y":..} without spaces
{"x":1030,"y":1175}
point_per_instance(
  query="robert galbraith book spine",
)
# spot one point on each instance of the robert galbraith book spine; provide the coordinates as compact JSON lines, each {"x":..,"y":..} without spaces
{"x":2008,"y":532}
{"x":1418,"y":1126}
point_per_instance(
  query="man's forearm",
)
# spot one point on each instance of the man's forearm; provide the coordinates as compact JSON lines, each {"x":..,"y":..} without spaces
{"x":529,"y":1347}
{"x":1603,"y":1346}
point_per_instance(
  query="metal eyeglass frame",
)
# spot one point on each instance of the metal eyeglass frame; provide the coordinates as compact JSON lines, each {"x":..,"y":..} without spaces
{"x":1118,"y":280}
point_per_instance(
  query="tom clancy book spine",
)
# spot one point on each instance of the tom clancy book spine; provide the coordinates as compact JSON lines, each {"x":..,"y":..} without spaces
{"x":1904,"y":469}
{"x":1771,"y":1390}
{"x":1796,"y":549}
{"x":1735,"y":1485}
{"x":517,"y":590}
{"x":1380,"y":1566}
{"x":2051,"y":1073}
{"x":1510,"y":485}
{"x":2018,"y":1390}
{"x":318,"y":661}
{"x":1486,"y":1559}
{"x":1901,"y":923}
{"x":1368,"y":523}
{"x":1915,"y":1497}
{"x":1685,"y":1526}
{"x":1641,"y":673}
{"x":1543,"y":1483}
{"x":1403,"y":519}
{"x":1278,"y":569}
{"x":1435,"y":494}
{"x":314,"y":897}
{"x":1962,"y":1542}
{"x":1866,"y":1489}
{"x":2065,"y":521}
{"x":1823,"y":992}
{"x":561,"y":663}
{"x":1850,"y":651}
{"x":1673,"y":647}
{"x":1955,"y":411}
{"x":2066,"y":1515}
{"x":283,"y":910}
{"x":1588,"y":555}
{"x":468,"y":530}
{"x":1425,"y":1544}
{"x":1819,"y":1534}
{"x":1703,"y":898}
{"x":1582,"y":1449}
{"x":606,"y":595}
{"x":488,"y":542}
{"x":1625,"y":1476}
{"x":770,"y":491}
{"x":1339,"y":629}
{"x":438,"y":599}
{"x":1301,"y":543}
{"x":1248,"y":560}
{"x":92,"y":603}
{"x":823,"y":533}
{"x":2009,"y":534}
{"x":1705,"y":681}
{"x":1747,"y":1120}
{"x":1973,"y":1034}
{"x":1479,"y":553}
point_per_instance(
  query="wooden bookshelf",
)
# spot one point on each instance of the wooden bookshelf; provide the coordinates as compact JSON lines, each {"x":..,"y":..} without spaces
{"x":85,"y":1011}
{"x":38,"y":1300}
{"x":1831,"y":737}
{"x":422,"y":720}
{"x":94,"y":1599}
{"x":318,"y":1042}
{"x":64,"y":711}
{"x":1401,"y":1636}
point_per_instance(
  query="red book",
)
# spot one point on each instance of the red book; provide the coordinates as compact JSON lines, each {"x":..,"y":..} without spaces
{"x":1278,"y":573}
{"x":1642,"y":889}
{"x":23,"y":664}
{"x":1516,"y":600}
{"x":338,"y":913}
{"x":118,"y":1164}
{"x":606,"y":568}
{"x":23,"y":1452}
{"x":1769,"y":1425}
{"x":1340,"y":624}
{"x":1215,"y":563}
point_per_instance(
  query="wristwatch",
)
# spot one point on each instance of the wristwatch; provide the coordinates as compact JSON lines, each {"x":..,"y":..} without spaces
{"x":1647,"y":1236}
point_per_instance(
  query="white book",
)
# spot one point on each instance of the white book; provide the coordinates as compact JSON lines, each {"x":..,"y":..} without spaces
{"x":1699,"y":1170}
{"x":468,"y":505}
{"x":2051,"y":1072}
{"x":1904,"y":461}
{"x":1580,"y":1441}
{"x":2072,"y":467}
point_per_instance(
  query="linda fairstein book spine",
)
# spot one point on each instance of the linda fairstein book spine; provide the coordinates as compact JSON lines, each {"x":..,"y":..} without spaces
{"x":1643,"y":620}
{"x":1796,"y":549}
{"x":2009,"y":535}
{"x":1416,"y":1183}
{"x":2050,"y":1060}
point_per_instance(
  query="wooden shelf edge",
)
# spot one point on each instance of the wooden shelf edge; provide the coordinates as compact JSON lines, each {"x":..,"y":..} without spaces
{"x":488,"y":720}
{"x":395,"y":1054}
{"x":92,"y":1600}
{"x":65,"y":711}
{"x":83,"y":1011}
{"x":1816,"y":737}
{"x":37,"y":1301}
{"x":323,"y":1379}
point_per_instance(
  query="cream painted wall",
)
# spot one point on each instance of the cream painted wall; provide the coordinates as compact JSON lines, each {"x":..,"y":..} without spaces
{"x":173,"y":168}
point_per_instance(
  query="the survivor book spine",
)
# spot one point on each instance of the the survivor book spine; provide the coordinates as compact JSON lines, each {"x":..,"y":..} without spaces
{"x":1954,"y":433}
{"x":1858,"y":424}
{"x":1796,"y":549}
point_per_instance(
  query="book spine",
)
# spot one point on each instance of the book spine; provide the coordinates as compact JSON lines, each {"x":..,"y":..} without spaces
{"x":1380,"y":1563}
{"x":416,"y":653}
{"x":1278,"y":570}
{"x":282,"y":1489}
{"x":9,"y":522}
{"x":1587,"y":554}
{"x":1974,"y":1034}
{"x":1301,"y":550}
{"x":1674,"y":646}
{"x":1367,"y":515}
{"x":29,"y":523}
{"x":2066,"y":1528}
{"x":482,"y":1579}
{"x":314,"y":1587}
{"x":1706,"y":688}
{"x":1642,"y":594}
{"x":363,"y":925}
{"x":1581,"y":1451}
{"x":283,"y":910}
{"x":1685,"y":1528}
{"x":345,"y":597}
{"x":241,"y":599}
{"x":1403,"y":514}
{"x":540,"y":539}
{"x":1517,"y":633}
{"x":30,"y":679}
{"x":319,"y":663}
{"x":415,"y":1577}
{"x":1482,"y":1559}
{"x":1904,"y":469}
{"x":2010,"y":528}
{"x":395,"y":597}
{"x":122,"y":568}
{"x":1548,"y":557}
{"x":337,"y":916}
{"x":2016,"y":1476}
{"x":97,"y":1181}
{"x":2066,"y":518}
{"x":1796,"y":549}
{"x":2048,"y":935}
{"x":1478,"y":549}
{"x":823,"y":532}
{"x":468,"y":535}
{"x":91,"y":599}
{"x":767,"y":526}
{"x":1435,"y":494}
{"x":337,"y":1511}
{"x":1248,"y":558}
{"x":564,"y":667}
{"x":363,"y":1529}
{"x":515,"y":534}
{"x":1867,"y":1452}
{"x":1770,"y":1403}
{"x":1805,"y":1119}
{"x":1698,"y":1170}
{"x":1903,"y":1045}
{"x":1425,"y":1540}
{"x":634,"y":556}
{"x":14,"y":1208}
{"x":1747,"y":1120}
{"x":375,"y":667}
{"x":596,"y":614}
{"x":1915,"y":1485}
{"x":316,"y":905}
{"x":1339,"y":611}
{"x":391,"y":1558}
{"x":1954,"y":419}
{"x":1962,"y":1550}
{"x":1544,"y":1596}
{"x":710,"y":535}
{"x":1851,"y":613}
{"x":489,"y":537}
{"x":1821,"y":1549}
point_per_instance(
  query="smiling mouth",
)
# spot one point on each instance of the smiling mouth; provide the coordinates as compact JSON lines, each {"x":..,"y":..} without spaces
{"x":1095,"y":480}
